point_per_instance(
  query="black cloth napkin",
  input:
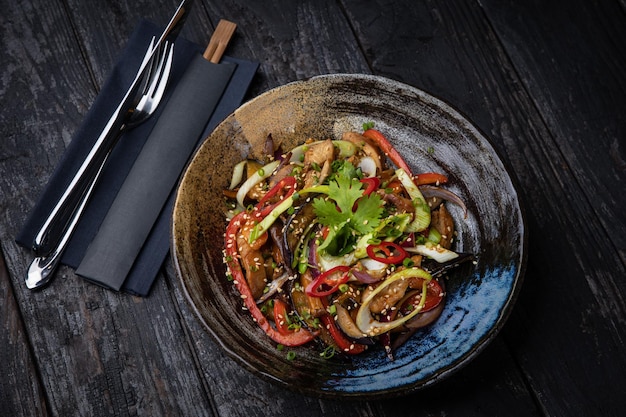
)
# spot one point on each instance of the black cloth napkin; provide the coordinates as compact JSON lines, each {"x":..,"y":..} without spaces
{"x":136,"y":207}
{"x":150,"y":256}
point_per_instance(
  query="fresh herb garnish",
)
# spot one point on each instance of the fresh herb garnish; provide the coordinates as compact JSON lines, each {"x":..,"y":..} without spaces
{"x":346,"y":211}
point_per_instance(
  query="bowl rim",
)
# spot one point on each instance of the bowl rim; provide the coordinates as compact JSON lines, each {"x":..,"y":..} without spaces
{"x":462,"y":360}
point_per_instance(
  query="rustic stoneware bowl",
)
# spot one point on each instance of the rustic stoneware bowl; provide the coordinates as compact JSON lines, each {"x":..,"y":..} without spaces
{"x":432,"y":137}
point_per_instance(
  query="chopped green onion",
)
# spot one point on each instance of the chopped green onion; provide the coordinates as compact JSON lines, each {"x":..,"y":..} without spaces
{"x":422,"y":211}
{"x":434,"y":235}
{"x":328,"y":353}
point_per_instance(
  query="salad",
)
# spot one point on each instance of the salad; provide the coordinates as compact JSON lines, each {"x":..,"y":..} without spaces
{"x":337,"y":243}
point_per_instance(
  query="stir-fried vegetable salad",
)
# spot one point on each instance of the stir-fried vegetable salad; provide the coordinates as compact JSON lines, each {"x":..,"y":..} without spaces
{"x":337,"y":242}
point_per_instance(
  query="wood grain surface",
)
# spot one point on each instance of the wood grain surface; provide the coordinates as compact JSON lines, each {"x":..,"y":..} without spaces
{"x":543,"y":80}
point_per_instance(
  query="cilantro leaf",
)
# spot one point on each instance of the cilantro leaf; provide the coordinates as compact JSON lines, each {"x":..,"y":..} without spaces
{"x":367,"y":216}
{"x":347,"y":211}
{"x":345,"y":191}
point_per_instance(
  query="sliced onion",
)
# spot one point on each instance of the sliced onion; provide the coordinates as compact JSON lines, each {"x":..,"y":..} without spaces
{"x":237,"y":174}
{"x":430,"y":191}
{"x":437,"y":253}
{"x":363,"y":276}
{"x":373,"y":271}
{"x":373,"y":265}
{"x":368,"y":166}
{"x":274,"y":286}
{"x":313,"y":267}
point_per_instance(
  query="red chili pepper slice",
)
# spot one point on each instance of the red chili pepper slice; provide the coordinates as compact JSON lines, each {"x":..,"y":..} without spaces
{"x":393,"y":252}
{"x":371,"y":185}
{"x":295,"y":338}
{"x":384,"y":145}
{"x":430,"y":178}
{"x":332,"y":278}
{"x":342,"y":342}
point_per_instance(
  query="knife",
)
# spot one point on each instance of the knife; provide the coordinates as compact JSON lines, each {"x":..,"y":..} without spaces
{"x":50,"y":234}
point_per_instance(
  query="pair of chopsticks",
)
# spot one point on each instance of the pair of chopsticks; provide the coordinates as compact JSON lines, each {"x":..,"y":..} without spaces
{"x":219,"y":41}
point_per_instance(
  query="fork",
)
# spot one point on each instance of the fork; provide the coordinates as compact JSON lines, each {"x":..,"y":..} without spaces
{"x":53,"y":237}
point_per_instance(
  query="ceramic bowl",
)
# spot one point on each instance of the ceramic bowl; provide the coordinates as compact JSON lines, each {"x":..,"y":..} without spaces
{"x":431,"y":136}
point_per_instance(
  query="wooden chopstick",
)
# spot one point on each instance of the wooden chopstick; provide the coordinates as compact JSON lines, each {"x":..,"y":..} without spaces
{"x":219,"y":41}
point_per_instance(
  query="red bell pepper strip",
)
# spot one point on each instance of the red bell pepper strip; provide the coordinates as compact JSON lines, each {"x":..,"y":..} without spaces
{"x":287,"y":182}
{"x":430,"y":178}
{"x":328,"y":279}
{"x":295,"y":338}
{"x":342,"y":342}
{"x":280,"y":317}
{"x":434,"y":296}
{"x":394,"y":253}
{"x":381,"y":141}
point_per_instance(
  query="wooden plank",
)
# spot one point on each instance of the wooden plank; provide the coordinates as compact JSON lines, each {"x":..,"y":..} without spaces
{"x":572,"y":60}
{"x":20,"y":379}
{"x":455,"y":54}
{"x":291,"y":40}
{"x":98,"y":353}
{"x":580,"y":90}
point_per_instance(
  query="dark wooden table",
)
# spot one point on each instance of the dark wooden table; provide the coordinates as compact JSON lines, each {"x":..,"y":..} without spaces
{"x":545,"y":80}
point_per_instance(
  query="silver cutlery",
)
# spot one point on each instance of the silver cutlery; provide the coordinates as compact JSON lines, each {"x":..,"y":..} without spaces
{"x":43,"y":266}
{"x":140,"y":101}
